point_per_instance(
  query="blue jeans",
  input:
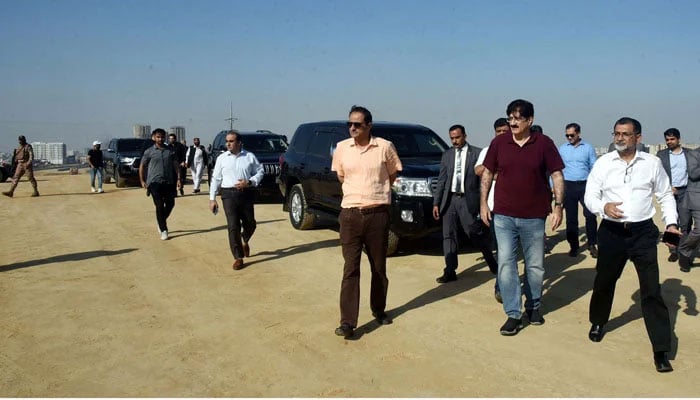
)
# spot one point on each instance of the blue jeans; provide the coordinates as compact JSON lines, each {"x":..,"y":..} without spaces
{"x":96,"y":172}
{"x":530,"y":233}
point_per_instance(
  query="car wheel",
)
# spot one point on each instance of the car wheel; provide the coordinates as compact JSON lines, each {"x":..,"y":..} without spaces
{"x":393,"y":243}
{"x":299,"y":214}
{"x":119,"y":181}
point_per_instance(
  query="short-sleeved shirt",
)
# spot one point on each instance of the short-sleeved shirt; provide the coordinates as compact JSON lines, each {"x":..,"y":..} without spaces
{"x":523,"y":189}
{"x":95,"y":157}
{"x":366,"y":171}
{"x":160,"y":165}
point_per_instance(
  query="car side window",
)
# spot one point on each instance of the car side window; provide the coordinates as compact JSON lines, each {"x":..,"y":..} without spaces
{"x":320,"y":146}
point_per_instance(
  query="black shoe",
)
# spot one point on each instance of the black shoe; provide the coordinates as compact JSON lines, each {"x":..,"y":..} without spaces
{"x":535,"y":317}
{"x":182,"y":192}
{"x":573,"y":252}
{"x":593,"y":250}
{"x":684,"y":263}
{"x":345,"y":330}
{"x":673,"y":257}
{"x":596,"y":333}
{"x":382,"y":318}
{"x":511,"y":327}
{"x":446,"y":278}
{"x":661,"y":362}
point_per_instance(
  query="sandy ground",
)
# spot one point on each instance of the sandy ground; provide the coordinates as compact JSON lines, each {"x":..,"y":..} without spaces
{"x":93,"y":303}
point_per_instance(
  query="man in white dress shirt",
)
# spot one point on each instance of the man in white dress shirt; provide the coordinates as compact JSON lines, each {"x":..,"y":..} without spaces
{"x":236,"y":172}
{"x":619,"y":189}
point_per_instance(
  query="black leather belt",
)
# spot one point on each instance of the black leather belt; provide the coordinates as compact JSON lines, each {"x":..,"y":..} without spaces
{"x":681,"y":187}
{"x":232,"y":189}
{"x":460,"y":194}
{"x":627,"y":225}
{"x":369,"y":210}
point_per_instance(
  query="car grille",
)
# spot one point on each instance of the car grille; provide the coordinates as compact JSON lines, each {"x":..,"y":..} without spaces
{"x":433,"y":184}
{"x":271,"y":169}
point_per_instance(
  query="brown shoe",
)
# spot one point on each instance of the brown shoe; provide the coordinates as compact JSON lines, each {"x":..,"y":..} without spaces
{"x":8,"y":194}
{"x":35,"y":194}
{"x":246,"y":250}
{"x":238,"y":264}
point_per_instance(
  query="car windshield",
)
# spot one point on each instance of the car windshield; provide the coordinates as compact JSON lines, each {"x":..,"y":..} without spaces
{"x":412,"y":142}
{"x":264,"y":144}
{"x":134,"y":144}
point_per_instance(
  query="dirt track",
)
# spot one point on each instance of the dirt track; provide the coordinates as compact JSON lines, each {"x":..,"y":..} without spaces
{"x":94,"y":304}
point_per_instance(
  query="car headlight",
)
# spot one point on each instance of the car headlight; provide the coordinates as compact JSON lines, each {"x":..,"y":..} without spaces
{"x":412,"y":187}
{"x":128,"y":160}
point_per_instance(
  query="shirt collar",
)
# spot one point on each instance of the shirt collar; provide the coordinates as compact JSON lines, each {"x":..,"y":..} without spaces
{"x":372,"y":142}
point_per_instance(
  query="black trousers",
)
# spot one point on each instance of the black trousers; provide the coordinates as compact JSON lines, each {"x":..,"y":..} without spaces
{"x":617,"y":243}
{"x":457,"y":214}
{"x":240,"y":213}
{"x":573,"y":196}
{"x":368,"y":229}
{"x":163,"y":195}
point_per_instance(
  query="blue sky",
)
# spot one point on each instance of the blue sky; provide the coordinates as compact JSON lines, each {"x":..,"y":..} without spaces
{"x":75,"y":71}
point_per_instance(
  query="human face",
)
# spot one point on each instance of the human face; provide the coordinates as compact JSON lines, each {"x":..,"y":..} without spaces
{"x":159,"y":139}
{"x":572,"y":136}
{"x":358,"y":128}
{"x":233,"y":143}
{"x":520,"y":126}
{"x":502,"y":129}
{"x":196,"y":141}
{"x":672,"y":142}
{"x":458,"y":138}
{"x":172,"y":139}
{"x":625,"y":138}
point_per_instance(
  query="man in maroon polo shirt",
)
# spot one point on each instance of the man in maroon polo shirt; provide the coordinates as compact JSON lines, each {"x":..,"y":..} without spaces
{"x":521,"y":204}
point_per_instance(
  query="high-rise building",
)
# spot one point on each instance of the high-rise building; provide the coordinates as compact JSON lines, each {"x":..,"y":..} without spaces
{"x":142,"y":131}
{"x":55,"y":153}
{"x":179,"y":132}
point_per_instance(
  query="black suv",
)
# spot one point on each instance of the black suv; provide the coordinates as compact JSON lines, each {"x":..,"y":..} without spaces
{"x":267,"y":147}
{"x":122,"y":158}
{"x":310,"y":188}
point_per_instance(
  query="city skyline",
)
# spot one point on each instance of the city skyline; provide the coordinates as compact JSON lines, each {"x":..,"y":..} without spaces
{"x":76,"y":77}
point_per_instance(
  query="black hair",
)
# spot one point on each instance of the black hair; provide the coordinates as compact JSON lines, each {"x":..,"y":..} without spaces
{"x":460,"y":127}
{"x":673,"y":132}
{"x":523,"y":107}
{"x":364,"y":111}
{"x":500,"y":122}
{"x":627,"y":120}
{"x":574,"y":125}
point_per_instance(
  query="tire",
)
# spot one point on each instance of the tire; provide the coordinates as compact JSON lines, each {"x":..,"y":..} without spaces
{"x":299,"y":214}
{"x":393,"y":243}
{"x":119,"y":181}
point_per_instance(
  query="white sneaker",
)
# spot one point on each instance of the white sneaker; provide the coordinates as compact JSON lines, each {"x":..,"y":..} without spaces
{"x":93,"y":189}
{"x":164,"y":235}
{"x":100,"y":190}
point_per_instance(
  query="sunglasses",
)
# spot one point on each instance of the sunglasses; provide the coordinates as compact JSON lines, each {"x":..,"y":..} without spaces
{"x":355,"y":124}
{"x":569,"y":136}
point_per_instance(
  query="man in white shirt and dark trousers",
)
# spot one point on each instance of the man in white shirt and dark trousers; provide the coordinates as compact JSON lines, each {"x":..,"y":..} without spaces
{"x":619,"y":189}
{"x":236,"y":172}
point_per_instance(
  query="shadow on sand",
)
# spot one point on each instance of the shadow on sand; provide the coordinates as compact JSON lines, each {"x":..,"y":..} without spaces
{"x":65,"y":257}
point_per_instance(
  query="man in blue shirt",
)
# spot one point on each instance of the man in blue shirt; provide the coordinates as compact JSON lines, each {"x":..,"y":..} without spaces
{"x":579,"y":158}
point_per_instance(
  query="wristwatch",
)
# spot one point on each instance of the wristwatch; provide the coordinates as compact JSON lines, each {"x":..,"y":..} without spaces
{"x":558,"y":204}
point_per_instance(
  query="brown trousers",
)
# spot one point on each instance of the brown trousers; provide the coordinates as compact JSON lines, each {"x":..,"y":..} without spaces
{"x":358,"y":229}
{"x":19,"y":171}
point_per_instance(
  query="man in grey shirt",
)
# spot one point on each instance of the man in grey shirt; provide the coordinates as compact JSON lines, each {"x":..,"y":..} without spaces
{"x":161,"y":180}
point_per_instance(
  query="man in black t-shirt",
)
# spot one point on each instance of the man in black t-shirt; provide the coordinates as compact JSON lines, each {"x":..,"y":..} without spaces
{"x":94,"y":158}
